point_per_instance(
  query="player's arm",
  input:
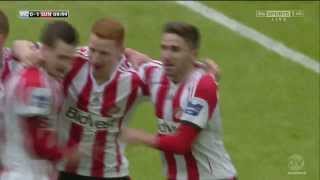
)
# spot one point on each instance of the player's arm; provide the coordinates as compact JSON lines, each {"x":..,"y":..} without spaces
{"x":33,"y":106}
{"x":39,"y":140}
{"x":194,"y":117}
{"x":137,"y":59}
{"x":178,"y":143}
{"x":42,"y":141}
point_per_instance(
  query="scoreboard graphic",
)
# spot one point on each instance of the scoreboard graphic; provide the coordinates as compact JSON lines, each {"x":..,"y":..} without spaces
{"x":24,"y":14}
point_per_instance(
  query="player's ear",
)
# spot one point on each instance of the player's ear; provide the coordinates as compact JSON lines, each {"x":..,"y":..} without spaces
{"x":121,"y":49}
{"x":194,"y":53}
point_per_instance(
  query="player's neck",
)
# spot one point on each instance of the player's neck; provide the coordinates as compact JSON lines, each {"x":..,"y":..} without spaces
{"x":103,"y":75}
{"x":183,"y":74}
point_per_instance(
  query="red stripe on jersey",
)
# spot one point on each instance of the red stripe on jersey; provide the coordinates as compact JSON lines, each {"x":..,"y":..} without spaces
{"x":98,"y":153}
{"x":148,"y":74}
{"x":30,"y":77}
{"x":77,"y":130}
{"x":76,"y":66}
{"x":207,"y":90}
{"x":192,"y":168}
{"x":176,"y":103}
{"x":83,"y":99}
{"x":109,"y":96}
{"x":135,"y":83}
{"x":74,"y":138}
{"x":172,"y":166}
{"x":161,"y":95}
{"x":6,"y":71}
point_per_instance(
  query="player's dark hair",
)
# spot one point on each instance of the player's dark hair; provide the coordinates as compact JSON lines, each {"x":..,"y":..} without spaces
{"x":4,"y":24}
{"x":59,"y":30}
{"x":187,"y":31}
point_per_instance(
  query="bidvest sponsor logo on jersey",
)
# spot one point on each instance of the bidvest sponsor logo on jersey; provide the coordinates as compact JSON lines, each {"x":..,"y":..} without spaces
{"x":167,"y":127}
{"x":91,"y":121}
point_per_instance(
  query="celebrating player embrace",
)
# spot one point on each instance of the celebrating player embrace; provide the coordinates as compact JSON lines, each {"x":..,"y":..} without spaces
{"x":31,"y":104}
{"x":185,"y":98}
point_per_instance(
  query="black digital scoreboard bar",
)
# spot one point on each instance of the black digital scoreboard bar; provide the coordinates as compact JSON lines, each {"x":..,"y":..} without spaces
{"x":44,"y":14}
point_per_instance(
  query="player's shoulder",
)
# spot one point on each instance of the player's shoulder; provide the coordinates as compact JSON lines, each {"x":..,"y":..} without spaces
{"x":32,"y":76}
{"x":203,"y":80}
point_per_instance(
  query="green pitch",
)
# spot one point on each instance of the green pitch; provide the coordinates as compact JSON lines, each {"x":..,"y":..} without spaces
{"x":270,"y":106}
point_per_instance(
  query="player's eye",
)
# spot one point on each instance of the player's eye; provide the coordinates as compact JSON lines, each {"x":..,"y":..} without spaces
{"x":163,"y":47}
{"x":175,"y":48}
{"x":104,"y":53}
{"x":63,"y":57}
{"x":92,"y":50}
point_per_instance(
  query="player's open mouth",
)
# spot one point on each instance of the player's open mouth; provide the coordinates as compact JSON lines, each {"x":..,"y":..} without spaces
{"x":169,"y":67}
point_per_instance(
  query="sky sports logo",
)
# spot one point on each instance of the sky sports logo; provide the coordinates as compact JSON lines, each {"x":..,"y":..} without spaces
{"x":25,"y":14}
{"x":279,"y":15}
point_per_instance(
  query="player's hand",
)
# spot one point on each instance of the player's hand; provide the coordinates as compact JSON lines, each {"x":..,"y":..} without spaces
{"x":128,"y":135}
{"x":136,"y":136}
{"x":136,"y":58}
{"x":72,"y":155}
{"x":210,"y":66}
{"x":32,"y":58}
{"x":131,"y":136}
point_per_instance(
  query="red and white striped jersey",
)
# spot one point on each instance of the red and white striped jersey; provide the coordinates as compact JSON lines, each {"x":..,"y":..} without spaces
{"x":29,"y":92}
{"x":7,"y":64}
{"x":190,"y":101}
{"x":4,"y":74}
{"x":2,"y":135}
{"x":93,"y":114}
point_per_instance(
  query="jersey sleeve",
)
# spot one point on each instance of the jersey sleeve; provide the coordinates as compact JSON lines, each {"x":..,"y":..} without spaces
{"x":202,"y":102}
{"x":33,"y":98}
